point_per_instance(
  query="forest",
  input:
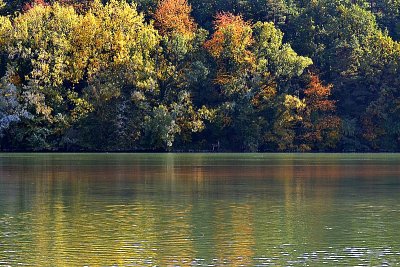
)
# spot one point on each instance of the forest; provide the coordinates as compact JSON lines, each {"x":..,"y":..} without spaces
{"x":200,"y":75}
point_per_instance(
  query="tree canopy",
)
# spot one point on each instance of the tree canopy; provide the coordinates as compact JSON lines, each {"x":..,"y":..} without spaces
{"x":276,"y":75}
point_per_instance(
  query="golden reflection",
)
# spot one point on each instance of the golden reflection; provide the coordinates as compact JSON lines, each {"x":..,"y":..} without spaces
{"x":243,"y":223}
{"x":172,"y":211}
{"x":234,"y":235}
{"x":176,"y":238}
{"x":41,"y":211}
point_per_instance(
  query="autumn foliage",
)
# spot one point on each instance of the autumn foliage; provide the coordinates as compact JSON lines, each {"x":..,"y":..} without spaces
{"x":233,"y":32}
{"x":322,"y":127}
{"x":317,"y":95}
{"x":112,"y":75}
{"x":173,"y":16}
{"x":81,"y":6}
{"x":30,"y":5}
{"x":230,"y":46}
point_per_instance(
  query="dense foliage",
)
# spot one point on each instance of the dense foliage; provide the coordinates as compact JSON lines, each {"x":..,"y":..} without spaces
{"x":248,"y":75}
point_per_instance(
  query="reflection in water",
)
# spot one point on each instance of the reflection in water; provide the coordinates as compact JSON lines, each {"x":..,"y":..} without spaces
{"x":199,"y":209}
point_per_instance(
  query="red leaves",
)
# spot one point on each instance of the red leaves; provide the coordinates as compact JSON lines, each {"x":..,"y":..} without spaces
{"x":28,"y":6}
{"x":81,"y":6}
{"x":225,"y":19}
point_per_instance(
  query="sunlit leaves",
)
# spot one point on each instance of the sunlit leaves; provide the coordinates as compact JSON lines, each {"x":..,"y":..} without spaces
{"x":59,"y":52}
{"x":253,"y":65}
{"x":317,"y":95}
{"x":42,"y":36}
{"x":281,"y":134}
{"x":113,"y":78}
{"x":173,"y":16}
{"x":322,"y":126}
{"x":231,"y":39}
{"x":2,"y":4}
{"x":11,"y":110}
{"x":275,"y":56}
{"x":5,"y":30}
{"x":62,"y":46}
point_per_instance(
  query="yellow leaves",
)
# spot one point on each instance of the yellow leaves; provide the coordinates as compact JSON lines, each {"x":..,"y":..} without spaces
{"x":42,"y":34}
{"x":207,"y":113}
{"x":230,"y":45}
{"x":268,"y":36}
{"x":65,"y":45}
{"x":267,"y":92}
{"x":293,"y":106}
{"x":121,"y":49}
{"x":293,"y":102}
{"x":5,"y":31}
{"x":81,"y":106}
{"x":63,"y":49}
{"x":119,"y":37}
{"x":37,"y":99}
{"x":274,"y":55}
{"x":87,"y":41}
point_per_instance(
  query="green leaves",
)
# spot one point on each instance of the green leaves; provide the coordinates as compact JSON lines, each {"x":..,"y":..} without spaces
{"x":103,"y":74}
{"x":275,"y":57}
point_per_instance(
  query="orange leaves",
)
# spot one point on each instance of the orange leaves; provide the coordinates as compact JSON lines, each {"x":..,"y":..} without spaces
{"x":230,"y":46}
{"x":317,"y":95}
{"x":267,"y":92}
{"x":232,"y":33}
{"x":226,"y":19}
{"x":328,"y":122}
{"x":15,"y":79}
{"x":315,"y":87}
{"x":322,"y":127}
{"x":173,"y":16}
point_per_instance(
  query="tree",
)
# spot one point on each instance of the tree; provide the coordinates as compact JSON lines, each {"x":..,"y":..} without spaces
{"x":230,"y":42}
{"x":353,"y":54}
{"x":30,"y":5}
{"x":11,"y":110}
{"x":5,"y":31}
{"x":287,"y":116}
{"x":60,"y":55}
{"x":173,"y":16}
{"x":321,"y":125}
{"x":276,"y":57}
{"x":254,"y":67}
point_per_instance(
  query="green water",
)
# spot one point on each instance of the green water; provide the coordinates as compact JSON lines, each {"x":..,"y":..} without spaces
{"x":199,"y":209}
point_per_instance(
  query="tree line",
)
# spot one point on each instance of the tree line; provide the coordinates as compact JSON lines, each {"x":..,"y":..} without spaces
{"x":173,"y":75}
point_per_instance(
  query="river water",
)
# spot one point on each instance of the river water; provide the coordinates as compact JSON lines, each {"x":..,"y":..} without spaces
{"x":199,"y":209}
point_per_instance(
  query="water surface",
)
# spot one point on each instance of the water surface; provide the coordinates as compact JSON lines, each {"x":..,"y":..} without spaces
{"x":199,"y":209}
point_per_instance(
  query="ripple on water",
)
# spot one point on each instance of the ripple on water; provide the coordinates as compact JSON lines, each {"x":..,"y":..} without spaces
{"x":225,"y":214}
